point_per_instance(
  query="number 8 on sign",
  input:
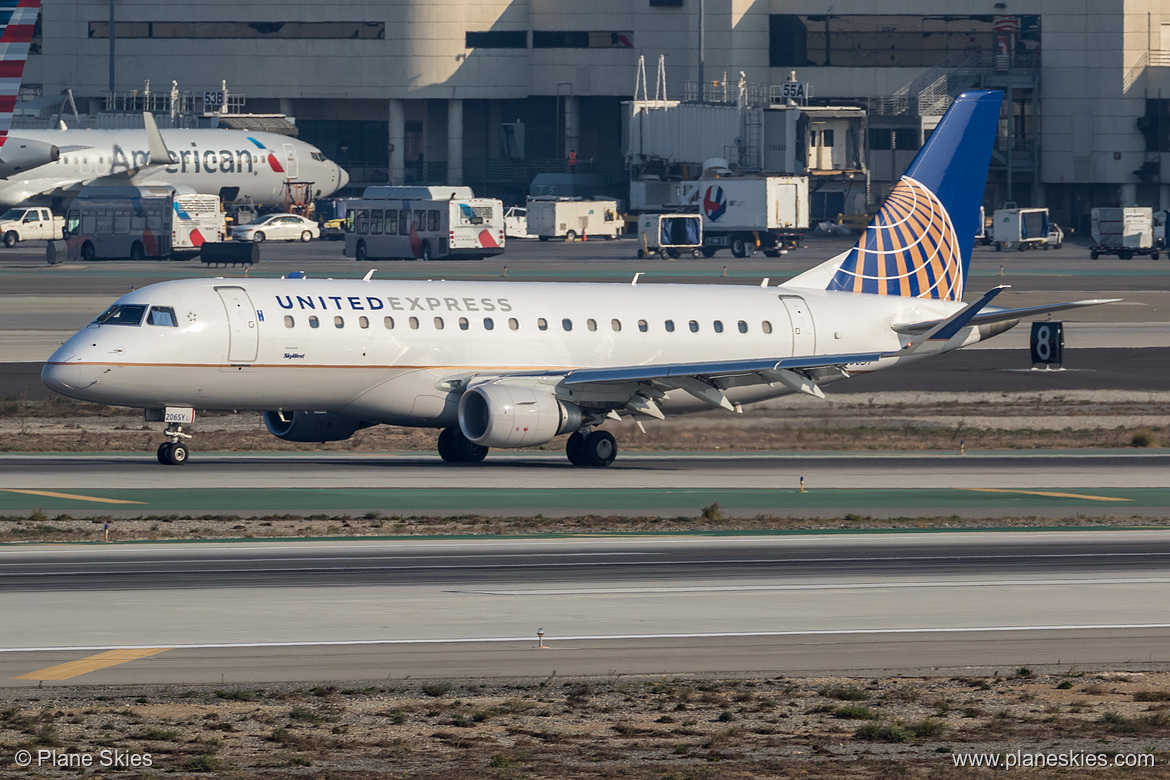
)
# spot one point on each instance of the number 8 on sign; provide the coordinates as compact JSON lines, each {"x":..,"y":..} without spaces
{"x":1048,"y":343}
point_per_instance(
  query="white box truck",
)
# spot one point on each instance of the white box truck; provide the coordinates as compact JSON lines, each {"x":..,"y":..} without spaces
{"x":1020,"y":229}
{"x":1124,"y":232}
{"x":743,"y":214}
{"x":573,"y":218}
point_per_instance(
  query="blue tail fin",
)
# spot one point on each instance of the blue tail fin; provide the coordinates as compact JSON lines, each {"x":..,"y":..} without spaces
{"x":919,"y":244}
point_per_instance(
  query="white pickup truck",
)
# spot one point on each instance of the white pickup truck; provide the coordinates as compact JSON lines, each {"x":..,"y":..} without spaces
{"x":30,"y":223}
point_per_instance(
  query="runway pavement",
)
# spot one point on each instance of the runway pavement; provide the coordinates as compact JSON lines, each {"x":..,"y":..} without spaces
{"x":259,"y":612}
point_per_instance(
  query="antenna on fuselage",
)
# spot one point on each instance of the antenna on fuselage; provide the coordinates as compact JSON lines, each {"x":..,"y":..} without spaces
{"x":369,"y":273}
{"x":765,"y":281}
{"x":634,"y":281}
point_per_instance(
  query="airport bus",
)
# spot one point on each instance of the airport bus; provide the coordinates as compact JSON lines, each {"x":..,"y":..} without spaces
{"x":425,"y":223}
{"x":120,"y":222}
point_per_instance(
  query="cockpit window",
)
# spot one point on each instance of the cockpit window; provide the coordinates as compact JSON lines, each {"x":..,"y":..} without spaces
{"x":124,"y":314}
{"x":162,"y":315}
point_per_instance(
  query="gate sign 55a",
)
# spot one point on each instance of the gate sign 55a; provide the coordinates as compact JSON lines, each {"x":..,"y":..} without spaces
{"x":1048,"y":343}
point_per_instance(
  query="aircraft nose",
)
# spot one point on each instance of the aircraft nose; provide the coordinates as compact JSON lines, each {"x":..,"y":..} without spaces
{"x":342,"y":178}
{"x":63,"y":378}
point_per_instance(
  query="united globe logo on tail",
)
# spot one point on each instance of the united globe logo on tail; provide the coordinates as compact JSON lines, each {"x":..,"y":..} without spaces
{"x":910,"y":249}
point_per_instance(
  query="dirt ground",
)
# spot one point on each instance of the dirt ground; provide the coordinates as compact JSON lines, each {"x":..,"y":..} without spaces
{"x":660,"y":728}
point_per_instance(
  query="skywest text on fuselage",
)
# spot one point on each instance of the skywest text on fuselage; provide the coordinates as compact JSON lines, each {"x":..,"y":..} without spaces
{"x":370,"y":303}
{"x":208,"y":161}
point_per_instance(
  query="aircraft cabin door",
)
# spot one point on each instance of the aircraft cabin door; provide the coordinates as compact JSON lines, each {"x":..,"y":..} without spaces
{"x":290,"y":156}
{"x":804,"y":334}
{"x":243,"y":333}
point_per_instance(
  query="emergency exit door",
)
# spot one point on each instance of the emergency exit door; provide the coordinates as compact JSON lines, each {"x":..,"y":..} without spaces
{"x":804,"y":336}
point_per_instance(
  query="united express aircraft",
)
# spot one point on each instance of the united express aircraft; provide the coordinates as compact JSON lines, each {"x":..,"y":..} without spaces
{"x":515,"y":364}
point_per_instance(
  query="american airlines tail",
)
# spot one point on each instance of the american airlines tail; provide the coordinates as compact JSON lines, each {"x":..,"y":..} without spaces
{"x":919,"y":244}
{"x":18,"y":18}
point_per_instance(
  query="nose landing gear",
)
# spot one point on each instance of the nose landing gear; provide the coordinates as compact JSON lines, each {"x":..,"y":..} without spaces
{"x":174,"y":452}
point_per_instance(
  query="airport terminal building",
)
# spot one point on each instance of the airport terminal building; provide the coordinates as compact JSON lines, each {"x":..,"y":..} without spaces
{"x":491,"y":92}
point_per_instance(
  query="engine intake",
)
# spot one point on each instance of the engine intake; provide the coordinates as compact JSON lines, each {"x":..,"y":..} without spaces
{"x":22,"y":154}
{"x":503,"y":415}
{"x":312,"y":426}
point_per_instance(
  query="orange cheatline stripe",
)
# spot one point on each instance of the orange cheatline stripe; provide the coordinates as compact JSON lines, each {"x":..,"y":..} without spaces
{"x":91,"y":664}
{"x":52,"y":494}
{"x":1048,"y":493}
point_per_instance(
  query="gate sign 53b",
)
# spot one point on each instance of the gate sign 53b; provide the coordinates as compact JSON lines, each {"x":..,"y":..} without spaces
{"x":1048,"y":343}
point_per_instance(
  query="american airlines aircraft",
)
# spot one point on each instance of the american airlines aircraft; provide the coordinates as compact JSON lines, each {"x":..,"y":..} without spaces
{"x":515,"y":364}
{"x":237,"y":165}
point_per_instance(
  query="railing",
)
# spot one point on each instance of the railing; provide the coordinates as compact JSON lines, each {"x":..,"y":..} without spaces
{"x":475,"y":171}
{"x":1151,"y":59}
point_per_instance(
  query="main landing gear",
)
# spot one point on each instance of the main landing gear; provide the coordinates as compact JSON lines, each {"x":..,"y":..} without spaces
{"x":174,"y":452}
{"x":596,"y":449}
{"x":454,"y":447}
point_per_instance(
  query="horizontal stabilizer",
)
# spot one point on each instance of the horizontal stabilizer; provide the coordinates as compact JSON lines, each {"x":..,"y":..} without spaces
{"x":993,"y":315}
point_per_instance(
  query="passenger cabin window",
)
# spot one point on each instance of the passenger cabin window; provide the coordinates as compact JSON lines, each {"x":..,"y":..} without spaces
{"x":388,"y":322}
{"x":463,"y":323}
{"x":643,"y":326}
{"x":162,"y":315}
{"x":567,"y":324}
{"x":414,"y":323}
{"x":513,"y":323}
{"x":591,"y":324}
{"x":438,"y":323}
{"x":694,"y":326}
{"x":766,"y":326}
{"x":314,"y":322}
{"x":125,"y":314}
{"x":718,"y":326}
{"x":616,"y":325}
{"x":363,"y":322}
{"x":338,"y":322}
{"x":288,"y":321}
{"x":488,"y":323}
{"x":670,"y":326}
{"x":542,"y":324}
{"x":742,"y":326}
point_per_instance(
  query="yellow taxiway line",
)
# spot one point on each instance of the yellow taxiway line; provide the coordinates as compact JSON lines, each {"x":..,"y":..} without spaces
{"x":1047,"y":493}
{"x":75,"y":497}
{"x":91,"y":664}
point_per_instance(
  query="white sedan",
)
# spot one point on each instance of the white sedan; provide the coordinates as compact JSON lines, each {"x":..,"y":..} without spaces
{"x":278,"y":227}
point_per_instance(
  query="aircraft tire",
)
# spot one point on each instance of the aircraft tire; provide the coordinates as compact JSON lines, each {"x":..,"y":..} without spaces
{"x":162,"y":453}
{"x":600,"y":449}
{"x":177,"y":454}
{"x":470,"y":452}
{"x":447,"y":445}
{"x":10,"y":239}
{"x":575,"y":449}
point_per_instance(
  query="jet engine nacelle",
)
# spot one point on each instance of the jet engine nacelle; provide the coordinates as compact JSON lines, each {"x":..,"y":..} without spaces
{"x":502,"y":415}
{"x":311,"y":426}
{"x":22,"y":154}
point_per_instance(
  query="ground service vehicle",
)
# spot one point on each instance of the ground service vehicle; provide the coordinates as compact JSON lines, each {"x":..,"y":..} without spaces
{"x":1020,"y":229}
{"x":669,"y":235}
{"x":741,"y":214}
{"x":278,"y":227}
{"x":118,"y":222}
{"x":424,"y":223}
{"x":1124,"y":232}
{"x":35,"y":223}
{"x":573,"y":218}
{"x":516,"y":223}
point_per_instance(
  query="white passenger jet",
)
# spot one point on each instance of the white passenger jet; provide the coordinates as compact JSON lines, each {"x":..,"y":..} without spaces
{"x":237,"y":165}
{"x":514,"y":364}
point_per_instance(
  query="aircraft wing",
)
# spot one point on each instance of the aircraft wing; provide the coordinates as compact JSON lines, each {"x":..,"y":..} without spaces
{"x":993,"y":314}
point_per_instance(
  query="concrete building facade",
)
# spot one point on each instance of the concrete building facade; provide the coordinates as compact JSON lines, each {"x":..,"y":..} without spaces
{"x":407,"y":90}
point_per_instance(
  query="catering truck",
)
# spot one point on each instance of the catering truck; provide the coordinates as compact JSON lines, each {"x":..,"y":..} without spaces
{"x":29,"y":223}
{"x":745,"y":213}
{"x":1124,"y":232}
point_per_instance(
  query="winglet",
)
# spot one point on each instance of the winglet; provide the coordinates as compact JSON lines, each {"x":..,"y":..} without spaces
{"x":159,"y":155}
{"x":946,"y":329}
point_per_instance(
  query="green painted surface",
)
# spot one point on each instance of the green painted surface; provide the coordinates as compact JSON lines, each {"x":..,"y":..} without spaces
{"x":652,"y":501}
